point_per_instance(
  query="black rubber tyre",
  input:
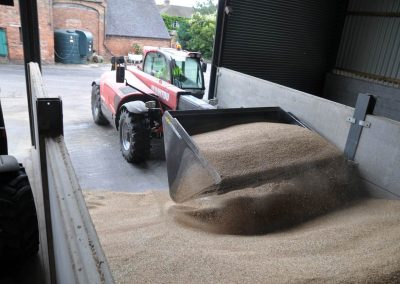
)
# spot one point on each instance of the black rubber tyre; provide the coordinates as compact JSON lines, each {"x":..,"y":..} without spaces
{"x":134,"y":137}
{"x":19,"y":236}
{"x":97,"y":114}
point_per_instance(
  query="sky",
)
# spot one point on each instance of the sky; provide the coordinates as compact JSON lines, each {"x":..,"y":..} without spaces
{"x":189,"y":3}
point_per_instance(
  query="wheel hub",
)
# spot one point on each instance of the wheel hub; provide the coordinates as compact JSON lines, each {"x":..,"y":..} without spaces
{"x":96,"y":107}
{"x":125,"y":136}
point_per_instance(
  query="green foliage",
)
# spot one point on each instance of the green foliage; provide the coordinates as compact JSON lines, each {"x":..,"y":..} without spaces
{"x":205,"y":7}
{"x":197,"y":33}
{"x":184,"y":35}
{"x":202,"y":31}
{"x":171,"y":21}
{"x":137,"y":49}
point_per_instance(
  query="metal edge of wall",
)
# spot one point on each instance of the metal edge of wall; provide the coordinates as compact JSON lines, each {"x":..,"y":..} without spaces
{"x":75,"y":253}
{"x":378,"y":153}
{"x":78,"y":252}
{"x":217,"y":48}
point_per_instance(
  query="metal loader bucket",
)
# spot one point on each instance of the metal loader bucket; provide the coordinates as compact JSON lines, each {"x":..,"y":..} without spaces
{"x":189,"y":173}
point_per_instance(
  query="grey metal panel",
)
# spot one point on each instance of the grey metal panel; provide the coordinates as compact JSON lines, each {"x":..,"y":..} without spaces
{"x":73,"y":253}
{"x":292,"y":43}
{"x":370,"y":44}
{"x":325,"y":117}
{"x":79,"y":257}
{"x":188,"y":102}
{"x":345,"y":89}
{"x":378,"y":151}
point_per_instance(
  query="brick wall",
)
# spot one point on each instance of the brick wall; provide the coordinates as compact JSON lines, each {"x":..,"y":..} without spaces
{"x":11,"y":23}
{"x":46,"y":31}
{"x":82,"y":15}
{"x":74,"y":14}
{"x":118,"y":45}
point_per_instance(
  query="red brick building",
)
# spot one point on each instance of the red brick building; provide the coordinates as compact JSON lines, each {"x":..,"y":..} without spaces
{"x":115,"y":25}
{"x":10,"y":28}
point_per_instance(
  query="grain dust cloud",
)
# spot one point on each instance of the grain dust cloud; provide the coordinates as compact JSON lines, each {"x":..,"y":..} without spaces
{"x":273,"y":176}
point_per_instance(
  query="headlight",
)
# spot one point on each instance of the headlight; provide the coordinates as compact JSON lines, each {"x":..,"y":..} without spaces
{"x":150,"y":104}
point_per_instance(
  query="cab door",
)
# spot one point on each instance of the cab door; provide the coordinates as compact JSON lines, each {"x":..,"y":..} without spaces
{"x":155,"y":64}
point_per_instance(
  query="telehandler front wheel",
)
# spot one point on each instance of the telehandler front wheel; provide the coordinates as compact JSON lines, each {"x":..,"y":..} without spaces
{"x":19,"y":236}
{"x":97,"y":114}
{"x":134,"y":136}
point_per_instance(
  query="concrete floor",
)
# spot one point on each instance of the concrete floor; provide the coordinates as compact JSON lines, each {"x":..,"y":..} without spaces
{"x":94,"y":149}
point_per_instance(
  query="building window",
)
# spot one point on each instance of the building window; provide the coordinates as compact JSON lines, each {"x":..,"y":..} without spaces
{"x":175,"y":24}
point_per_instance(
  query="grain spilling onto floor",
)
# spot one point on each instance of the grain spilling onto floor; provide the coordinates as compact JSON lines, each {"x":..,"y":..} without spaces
{"x":273,"y":175}
{"x":143,"y":244}
{"x":289,"y":209}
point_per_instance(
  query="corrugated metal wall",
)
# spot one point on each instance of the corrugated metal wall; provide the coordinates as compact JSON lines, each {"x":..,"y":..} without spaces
{"x":293,"y":43}
{"x":370,"y":45}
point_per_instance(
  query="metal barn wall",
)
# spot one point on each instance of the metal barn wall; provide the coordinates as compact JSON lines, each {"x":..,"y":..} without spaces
{"x":368,"y":59}
{"x":292,"y":43}
{"x":370,"y":45}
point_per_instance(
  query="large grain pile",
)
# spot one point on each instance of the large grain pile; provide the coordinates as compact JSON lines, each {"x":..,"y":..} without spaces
{"x":277,"y":181}
{"x":143,"y":244}
{"x":250,"y":153}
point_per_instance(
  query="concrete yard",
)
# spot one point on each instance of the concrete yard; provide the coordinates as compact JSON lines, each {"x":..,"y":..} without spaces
{"x":94,"y":150}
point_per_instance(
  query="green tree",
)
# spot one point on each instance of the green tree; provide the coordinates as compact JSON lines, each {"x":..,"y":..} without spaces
{"x":197,"y":33}
{"x":173,"y":22}
{"x":184,"y":35}
{"x":202,"y":31}
{"x":181,"y":26}
{"x":205,"y":7}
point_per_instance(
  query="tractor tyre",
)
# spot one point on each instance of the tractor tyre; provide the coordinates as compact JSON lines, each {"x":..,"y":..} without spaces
{"x":97,"y":114}
{"x":19,"y":235}
{"x":134,"y":135}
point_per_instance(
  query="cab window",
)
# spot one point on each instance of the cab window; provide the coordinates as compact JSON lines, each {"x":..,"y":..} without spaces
{"x":187,"y":73}
{"x":156,"y":65}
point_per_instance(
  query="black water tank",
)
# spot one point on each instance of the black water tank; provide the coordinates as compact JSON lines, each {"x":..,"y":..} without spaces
{"x":66,"y":46}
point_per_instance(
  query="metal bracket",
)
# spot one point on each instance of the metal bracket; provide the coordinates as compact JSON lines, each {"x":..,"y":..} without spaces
{"x":50,"y":117}
{"x":362,"y":123}
{"x":228,"y":10}
{"x":364,"y":105}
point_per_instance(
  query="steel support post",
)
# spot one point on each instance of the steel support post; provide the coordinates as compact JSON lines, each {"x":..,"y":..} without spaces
{"x":30,"y":37}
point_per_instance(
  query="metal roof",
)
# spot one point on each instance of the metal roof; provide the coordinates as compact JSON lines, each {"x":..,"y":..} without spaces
{"x":134,"y":18}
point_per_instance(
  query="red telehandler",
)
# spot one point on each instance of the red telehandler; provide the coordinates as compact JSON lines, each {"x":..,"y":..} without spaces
{"x":133,"y":99}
